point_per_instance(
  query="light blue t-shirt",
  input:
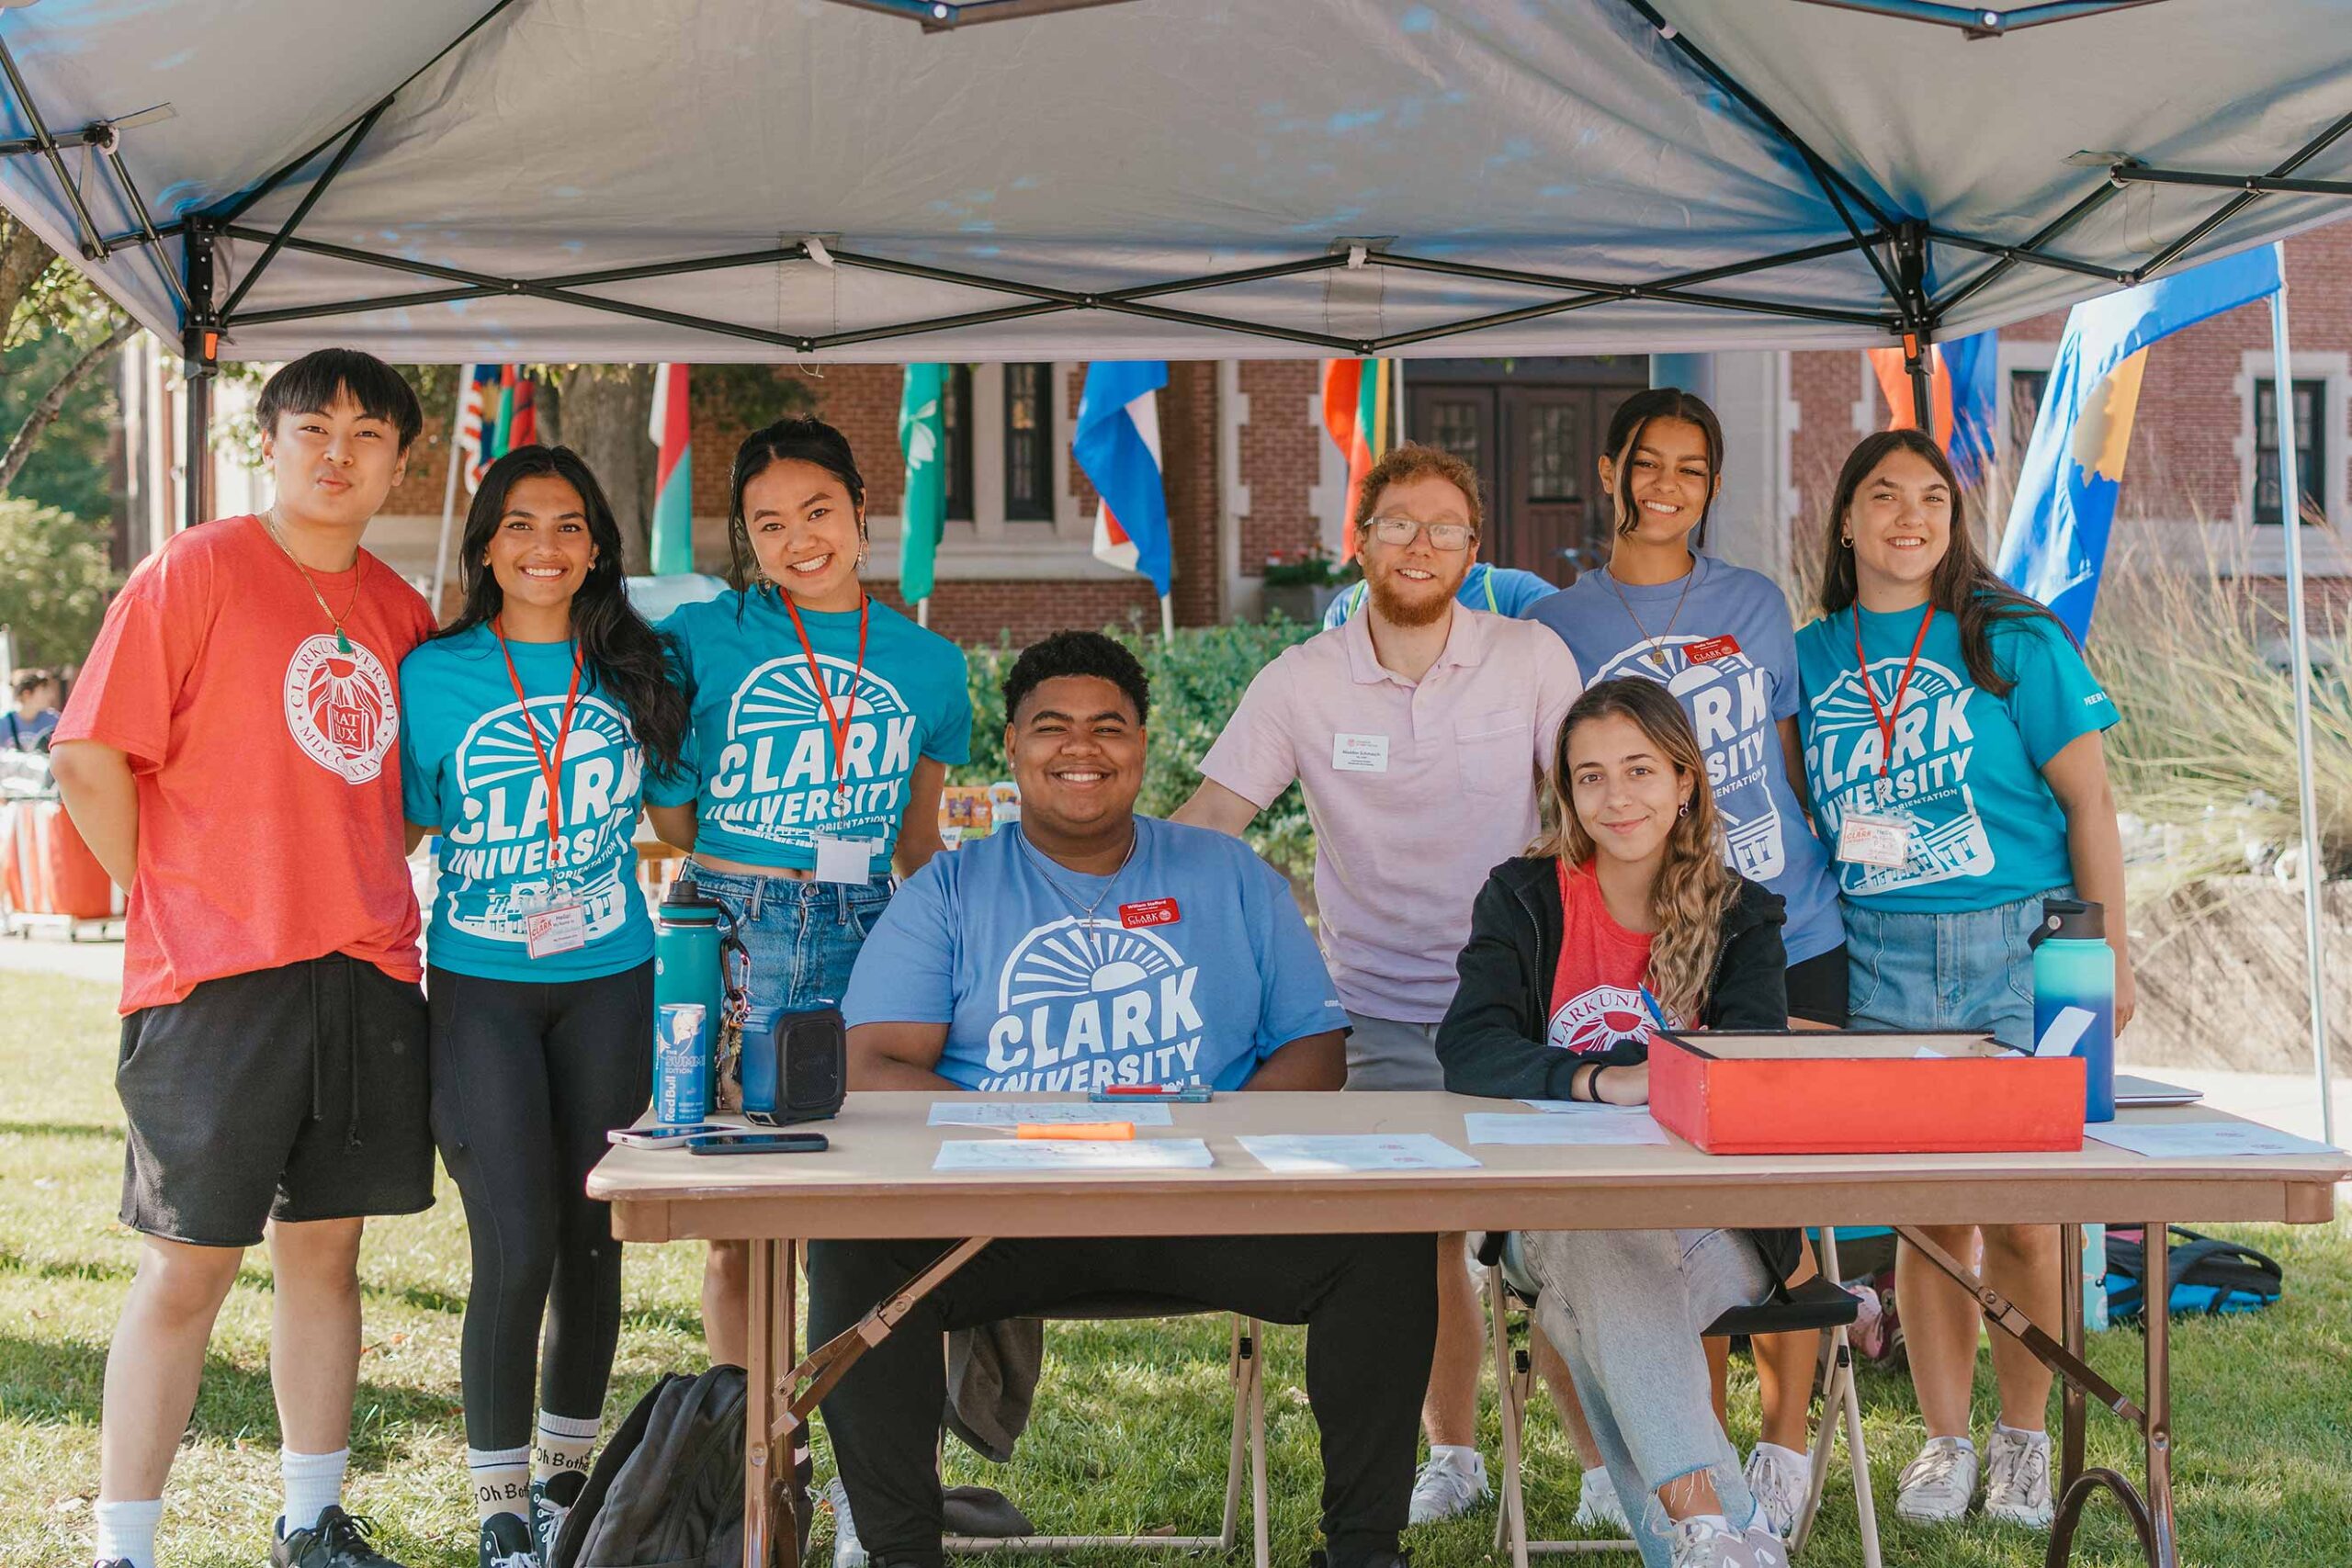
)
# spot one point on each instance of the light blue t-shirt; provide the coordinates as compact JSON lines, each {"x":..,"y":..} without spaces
{"x":1195,"y":966}
{"x":1499,"y":590}
{"x":469,"y":771}
{"x":1730,"y":659}
{"x":1966,"y":769}
{"x":762,"y":742}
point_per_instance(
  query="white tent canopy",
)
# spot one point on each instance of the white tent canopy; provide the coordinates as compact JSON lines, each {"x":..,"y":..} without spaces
{"x":630,"y":180}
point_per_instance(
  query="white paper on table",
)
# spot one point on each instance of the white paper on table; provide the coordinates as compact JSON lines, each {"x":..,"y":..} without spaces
{"x":1583,"y":1107}
{"x":1599,"y":1132}
{"x":1010,"y":1113}
{"x":2064,"y":1030}
{"x":1065,"y":1155}
{"x":2202,"y":1140}
{"x":1923,"y":1054}
{"x":1301,"y":1154}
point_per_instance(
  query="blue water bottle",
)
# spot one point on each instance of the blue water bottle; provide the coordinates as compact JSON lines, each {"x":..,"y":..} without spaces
{"x":2074,"y":974}
{"x":686,"y":929}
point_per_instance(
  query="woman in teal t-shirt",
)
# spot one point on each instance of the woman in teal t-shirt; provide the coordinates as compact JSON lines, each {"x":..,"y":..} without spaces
{"x":530,"y":730}
{"x":824,"y":724}
{"x":1952,"y":749}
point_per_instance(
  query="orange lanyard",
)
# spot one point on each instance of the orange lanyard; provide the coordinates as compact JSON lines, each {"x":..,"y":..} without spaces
{"x":550,"y":769}
{"x":1885,"y":716}
{"x":837,"y":723}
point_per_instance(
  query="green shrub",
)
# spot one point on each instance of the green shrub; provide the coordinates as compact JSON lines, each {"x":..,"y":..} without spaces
{"x":1196,"y":683}
{"x":55,"y":581}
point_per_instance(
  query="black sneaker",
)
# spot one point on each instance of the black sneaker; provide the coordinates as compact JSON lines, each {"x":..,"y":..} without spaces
{"x":551,"y":1501}
{"x":337,"y":1541}
{"x":506,"y":1543}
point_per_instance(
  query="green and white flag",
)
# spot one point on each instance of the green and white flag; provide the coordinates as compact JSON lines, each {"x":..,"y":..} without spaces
{"x":923,"y":515}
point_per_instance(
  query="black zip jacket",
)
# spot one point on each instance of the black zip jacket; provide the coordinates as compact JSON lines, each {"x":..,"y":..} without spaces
{"x":1492,"y":1039}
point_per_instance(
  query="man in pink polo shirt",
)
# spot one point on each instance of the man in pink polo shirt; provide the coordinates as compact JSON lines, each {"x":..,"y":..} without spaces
{"x":1420,"y":732}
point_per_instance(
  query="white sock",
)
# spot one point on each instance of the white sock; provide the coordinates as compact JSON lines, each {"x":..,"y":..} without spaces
{"x":314,"y":1485}
{"x":2020,"y":1434}
{"x":1716,"y":1520}
{"x":565,"y":1442}
{"x":1462,"y":1456}
{"x":1596,"y":1481}
{"x":127,"y":1530}
{"x":502,"y":1479}
{"x":1792,"y":1455}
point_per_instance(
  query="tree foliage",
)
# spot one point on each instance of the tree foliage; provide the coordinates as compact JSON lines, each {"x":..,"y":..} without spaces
{"x":54,"y":582}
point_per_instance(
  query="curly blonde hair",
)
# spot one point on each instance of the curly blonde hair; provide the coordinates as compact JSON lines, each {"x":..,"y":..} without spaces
{"x":1694,"y":888}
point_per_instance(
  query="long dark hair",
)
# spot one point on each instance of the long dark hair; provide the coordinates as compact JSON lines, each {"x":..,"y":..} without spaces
{"x":1964,"y":587}
{"x":803,"y":438}
{"x":626,"y":657}
{"x":1631,"y":420}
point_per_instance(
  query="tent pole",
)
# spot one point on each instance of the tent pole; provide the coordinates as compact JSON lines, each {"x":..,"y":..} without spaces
{"x":2282,"y":390}
{"x":199,"y":363}
{"x":449,"y":490}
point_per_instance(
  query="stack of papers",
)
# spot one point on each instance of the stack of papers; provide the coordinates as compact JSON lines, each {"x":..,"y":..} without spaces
{"x":1011,"y":1113}
{"x":1306,"y":1154}
{"x":1614,"y":1127}
{"x":2202,"y":1140}
{"x":1075,"y":1155}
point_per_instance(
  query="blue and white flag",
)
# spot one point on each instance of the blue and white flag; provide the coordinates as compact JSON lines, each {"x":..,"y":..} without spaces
{"x":1117,"y":446}
{"x":2072,"y":473}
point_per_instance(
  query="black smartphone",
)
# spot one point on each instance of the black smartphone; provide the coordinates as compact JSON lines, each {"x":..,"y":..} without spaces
{"x":758,"y":1144}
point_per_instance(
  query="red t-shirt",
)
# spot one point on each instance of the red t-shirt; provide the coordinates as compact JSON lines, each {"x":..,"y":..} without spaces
{"x":269,"y":787}
{"x":1596,"y":989}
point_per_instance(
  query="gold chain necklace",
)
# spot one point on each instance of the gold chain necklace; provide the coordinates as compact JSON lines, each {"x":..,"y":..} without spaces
{"x":1657,"y":653}
{"x":360,"y":571}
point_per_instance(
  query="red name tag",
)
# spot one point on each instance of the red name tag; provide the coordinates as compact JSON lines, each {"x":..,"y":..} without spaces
{"x":1150,"y":912}
{"x":1714,"y":647}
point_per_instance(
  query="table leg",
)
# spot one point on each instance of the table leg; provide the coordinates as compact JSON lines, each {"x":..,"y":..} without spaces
{"x":2158,"y":1317}
{"x":2071,"y":1411}
{"x":760,"y":1526}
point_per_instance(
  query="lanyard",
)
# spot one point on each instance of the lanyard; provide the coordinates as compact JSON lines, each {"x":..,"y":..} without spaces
{"x":550,"y":769}
{"x":837,"y":723}
{"x":1885,"y":716}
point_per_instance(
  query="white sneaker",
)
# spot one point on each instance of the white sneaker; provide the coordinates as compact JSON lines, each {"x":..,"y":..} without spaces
{"x":1448,"y":1487}
{"x":1779,"y":1481}
{"x":1599,"y":1507}
{"x":1704,"y":1543}
{"x":1936,"y":1486}
{"x":2016,"y":1478}
{"x":848,"y":1552}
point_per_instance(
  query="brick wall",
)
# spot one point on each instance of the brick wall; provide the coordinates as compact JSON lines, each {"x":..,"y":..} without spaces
{"x":1282,"y":459}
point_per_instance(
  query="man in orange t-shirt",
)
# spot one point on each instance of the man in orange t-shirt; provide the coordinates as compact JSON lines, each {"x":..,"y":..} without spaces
{"x":229,"y":754}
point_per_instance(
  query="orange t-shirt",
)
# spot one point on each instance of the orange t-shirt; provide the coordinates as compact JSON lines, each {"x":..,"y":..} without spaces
{"x":269,"y":780}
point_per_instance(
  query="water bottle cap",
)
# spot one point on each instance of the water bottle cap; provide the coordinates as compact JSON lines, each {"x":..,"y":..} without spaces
{"x":686,"y":902}
{"x":2070,"y":919}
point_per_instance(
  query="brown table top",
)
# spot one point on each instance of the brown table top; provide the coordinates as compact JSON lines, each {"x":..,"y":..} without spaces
{"x":876,"y":1181}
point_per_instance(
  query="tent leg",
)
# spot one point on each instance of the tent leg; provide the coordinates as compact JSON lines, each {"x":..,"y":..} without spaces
{"x":199,"y":363}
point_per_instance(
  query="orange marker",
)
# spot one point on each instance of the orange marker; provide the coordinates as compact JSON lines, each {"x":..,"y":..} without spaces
{"x":1078,"y":1131}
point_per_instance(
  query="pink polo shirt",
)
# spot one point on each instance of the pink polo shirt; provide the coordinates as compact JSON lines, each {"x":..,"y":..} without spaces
{"x":1417,"y":790}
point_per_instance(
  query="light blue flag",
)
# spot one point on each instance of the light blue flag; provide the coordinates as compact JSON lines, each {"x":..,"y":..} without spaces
{"x":2072,"y":473}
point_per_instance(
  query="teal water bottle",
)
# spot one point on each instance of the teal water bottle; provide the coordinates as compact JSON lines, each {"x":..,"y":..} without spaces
{"x":2073,"y":996}
{"x":686,"y":929}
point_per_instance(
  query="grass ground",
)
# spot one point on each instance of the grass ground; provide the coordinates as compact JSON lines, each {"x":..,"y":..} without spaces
{"x":1129,"y":1433}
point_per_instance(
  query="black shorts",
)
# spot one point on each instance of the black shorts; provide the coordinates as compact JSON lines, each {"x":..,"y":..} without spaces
{"x":296,"y":1093}
{"x":1817,"y":989}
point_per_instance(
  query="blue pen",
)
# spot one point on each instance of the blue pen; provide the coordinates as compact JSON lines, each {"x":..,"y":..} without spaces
{"x":1657,"y":1011}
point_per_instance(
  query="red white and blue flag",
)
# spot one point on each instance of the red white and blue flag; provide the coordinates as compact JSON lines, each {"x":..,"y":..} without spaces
{"x":672,"y":546}
{"x":1117,"y":447}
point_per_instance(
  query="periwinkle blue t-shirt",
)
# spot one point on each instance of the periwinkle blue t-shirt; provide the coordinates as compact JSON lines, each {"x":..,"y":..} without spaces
{"x":762,"y":742}
{"x":1499,"y":590}
{"x":1966,"y":768}
{"x":1728,"y":655}
{"x":469,"y":771}
{"x":1195,"y":967}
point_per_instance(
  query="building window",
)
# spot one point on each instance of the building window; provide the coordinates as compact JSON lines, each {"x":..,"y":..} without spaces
{"x":1028,"y":443}
{"x":2310,"y":449}
{"x":2026,"y":388}
{"x":955,"y":420}
{"x":1552,"y":463}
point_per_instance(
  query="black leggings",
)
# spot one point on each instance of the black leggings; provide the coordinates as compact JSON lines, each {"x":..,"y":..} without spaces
{"x":527,"y":1076}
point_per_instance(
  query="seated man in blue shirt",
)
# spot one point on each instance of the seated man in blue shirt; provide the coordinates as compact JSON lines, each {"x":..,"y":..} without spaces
{"x":1087,"y":945}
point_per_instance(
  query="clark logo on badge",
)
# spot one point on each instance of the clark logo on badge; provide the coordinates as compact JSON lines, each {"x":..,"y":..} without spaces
{"x":1714,"y":647}
{"x":1360,"y":754}
{"x":562,"y":928}
{"x":1864,"y":839}
{"x":1150,"y":912}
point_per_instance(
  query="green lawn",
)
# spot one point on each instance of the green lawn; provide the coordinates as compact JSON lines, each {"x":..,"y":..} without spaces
{"x":1130,"y":1433}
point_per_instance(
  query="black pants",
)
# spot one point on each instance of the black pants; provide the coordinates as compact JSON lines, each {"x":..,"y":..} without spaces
{"x":526,"y":1079}
{"x":1369,"y":1302}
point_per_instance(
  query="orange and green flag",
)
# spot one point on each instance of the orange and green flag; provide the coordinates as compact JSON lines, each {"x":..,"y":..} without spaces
{"x":1357,"y":397}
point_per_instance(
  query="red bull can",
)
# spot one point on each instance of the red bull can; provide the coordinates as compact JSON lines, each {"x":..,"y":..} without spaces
{"x":681,"y":1063}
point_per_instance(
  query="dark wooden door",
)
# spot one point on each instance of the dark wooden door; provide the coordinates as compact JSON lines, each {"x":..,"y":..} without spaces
{"x":1534,"y":447}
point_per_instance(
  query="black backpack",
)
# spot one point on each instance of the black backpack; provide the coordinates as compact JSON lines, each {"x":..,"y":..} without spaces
{"x":667,"y":1492}
{"x":2208,"y":1275}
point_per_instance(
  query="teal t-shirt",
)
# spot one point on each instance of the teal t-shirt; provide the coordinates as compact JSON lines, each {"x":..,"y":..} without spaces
{"x":1966,"y":766}
{"x":762,"y":745}
{"x":469,"y":771}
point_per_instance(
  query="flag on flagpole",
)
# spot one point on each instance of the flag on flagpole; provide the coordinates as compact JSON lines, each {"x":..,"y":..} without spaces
{"x":922,"y":516}
{"x":1962,"y":382}
{"x":1356,"y":400}
{"x":472,"y":416}
{"x":2072,"y":473}
{"x":1117,"y":447}
{"x":672,"y":546}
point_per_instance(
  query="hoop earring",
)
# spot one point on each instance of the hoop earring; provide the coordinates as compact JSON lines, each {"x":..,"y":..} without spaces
{"x":1686,"y":809}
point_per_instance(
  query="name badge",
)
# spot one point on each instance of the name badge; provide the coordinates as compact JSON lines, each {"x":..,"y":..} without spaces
{"x":1714,"y":647}
{"x":560,"y":928}
{"x":1866,"y":838}
{"x":845,"y":860}
{"x":1150,"y":912}
{"x":1360,"y":754}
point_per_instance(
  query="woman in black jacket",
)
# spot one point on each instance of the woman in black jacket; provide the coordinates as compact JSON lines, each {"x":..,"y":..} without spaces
{"x":1622,"y":918}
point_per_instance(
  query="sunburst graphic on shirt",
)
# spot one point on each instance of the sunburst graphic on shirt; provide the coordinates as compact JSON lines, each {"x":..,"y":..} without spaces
{"x":499,"y":748}
{"x":1071,"y":958}
{"x":780,"y":695}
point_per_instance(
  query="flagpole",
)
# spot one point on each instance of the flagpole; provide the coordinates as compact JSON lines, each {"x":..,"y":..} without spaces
{"x":922,"y":611}
{"x":449,"y":490}
{"x":2291,"y":515}
{"x":1167,"y":619}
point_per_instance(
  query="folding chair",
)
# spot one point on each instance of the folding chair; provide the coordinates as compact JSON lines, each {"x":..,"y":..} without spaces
{"x":1818,"y":1304}
{"x":1249,"y":1436}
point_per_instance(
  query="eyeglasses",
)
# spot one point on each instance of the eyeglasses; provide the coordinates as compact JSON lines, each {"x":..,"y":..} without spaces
{"x":1448,"y":536}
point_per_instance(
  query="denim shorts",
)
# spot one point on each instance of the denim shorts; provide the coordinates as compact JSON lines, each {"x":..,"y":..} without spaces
{"x":802,"y":937}
{"x":1967,"y":969}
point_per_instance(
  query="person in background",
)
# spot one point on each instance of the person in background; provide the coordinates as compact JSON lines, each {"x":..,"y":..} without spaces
{"x":227,"y":756}
{"x":1621,"y":918}
{"x":1717,"y":637}
{"x":535,"y":724}
{"x":1952,"y":748}
{"x":1497,"y":590}
{"x":35,"y":715}
{"x":1419,"y":732}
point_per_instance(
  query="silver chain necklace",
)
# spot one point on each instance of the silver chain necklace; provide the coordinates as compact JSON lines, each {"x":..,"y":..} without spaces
{"x":1658,"y":652}
{"x":1085,"y":911}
